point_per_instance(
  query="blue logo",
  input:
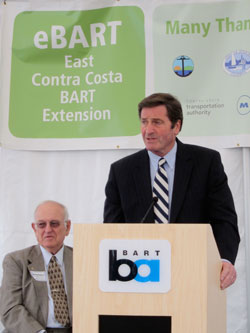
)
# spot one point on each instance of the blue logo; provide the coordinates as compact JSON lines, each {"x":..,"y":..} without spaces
{"x":183,"y":66}
{"x":114,"y":264}
{"x":237,"y":63}
{"x":243,"y":104}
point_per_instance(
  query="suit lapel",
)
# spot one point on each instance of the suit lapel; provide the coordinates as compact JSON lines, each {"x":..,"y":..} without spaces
{"x":143,"y":182}
{"x":36,"y":263}
{"x":183,"y":170}
{"x":68,"y":264}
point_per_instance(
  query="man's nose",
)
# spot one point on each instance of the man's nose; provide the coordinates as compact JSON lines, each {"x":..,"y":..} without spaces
{"x":149,"y":128}
{"x":48,"y":227}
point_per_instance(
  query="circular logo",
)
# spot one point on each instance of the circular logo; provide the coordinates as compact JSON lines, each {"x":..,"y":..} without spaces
{"x":183,"y":66}
{"x":237,"y":63}
{"x":243,"y":105}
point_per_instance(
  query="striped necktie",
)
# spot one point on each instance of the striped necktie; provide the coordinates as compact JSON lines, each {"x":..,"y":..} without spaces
{"x":58,"y":294}
{"x":160,"y":190}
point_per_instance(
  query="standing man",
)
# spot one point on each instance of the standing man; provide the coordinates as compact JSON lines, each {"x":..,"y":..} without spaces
{"x":36,"y":292}
{"x":189,"y":182}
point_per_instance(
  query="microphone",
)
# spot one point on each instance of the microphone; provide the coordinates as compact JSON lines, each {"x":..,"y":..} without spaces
{"x":155,"y":199}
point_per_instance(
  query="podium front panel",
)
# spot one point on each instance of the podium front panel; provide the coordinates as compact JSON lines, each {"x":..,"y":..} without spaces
{"x":194,"y":303}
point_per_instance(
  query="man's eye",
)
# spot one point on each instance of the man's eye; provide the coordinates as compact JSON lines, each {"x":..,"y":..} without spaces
{"x":41,"y":225}
{"x":54,"y":224}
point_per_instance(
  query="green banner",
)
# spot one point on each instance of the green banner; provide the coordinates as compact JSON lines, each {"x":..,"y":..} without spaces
{"x":77,"y":74}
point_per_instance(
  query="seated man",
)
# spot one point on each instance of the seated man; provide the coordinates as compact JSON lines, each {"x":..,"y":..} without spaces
{"x":36,"y":291}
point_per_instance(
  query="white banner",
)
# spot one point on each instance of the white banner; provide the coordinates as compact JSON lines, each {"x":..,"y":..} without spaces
{"x":73,"y":72}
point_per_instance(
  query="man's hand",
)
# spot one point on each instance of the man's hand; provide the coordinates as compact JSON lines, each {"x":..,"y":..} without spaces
{"x":228,"y":275}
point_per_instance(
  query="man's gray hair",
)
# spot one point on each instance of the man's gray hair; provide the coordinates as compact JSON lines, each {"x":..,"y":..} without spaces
{"x":66,"y":214}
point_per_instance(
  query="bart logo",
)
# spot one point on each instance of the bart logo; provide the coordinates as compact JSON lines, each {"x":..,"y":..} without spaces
{"x":135,"y":265}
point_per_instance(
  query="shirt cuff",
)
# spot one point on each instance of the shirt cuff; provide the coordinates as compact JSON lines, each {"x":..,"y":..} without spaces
{"x":226,"y":260}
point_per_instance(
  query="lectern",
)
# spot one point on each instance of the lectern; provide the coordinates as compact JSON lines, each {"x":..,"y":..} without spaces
{"x":140,"y":278}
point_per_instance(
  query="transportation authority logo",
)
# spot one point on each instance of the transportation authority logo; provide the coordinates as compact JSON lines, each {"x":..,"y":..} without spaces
{"x":134,"y":265}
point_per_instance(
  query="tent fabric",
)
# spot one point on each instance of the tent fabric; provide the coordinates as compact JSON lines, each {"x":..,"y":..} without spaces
{"x":78,"y":178}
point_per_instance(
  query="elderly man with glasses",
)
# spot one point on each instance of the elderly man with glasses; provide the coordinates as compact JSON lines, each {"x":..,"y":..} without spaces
{"x":36,"y":291}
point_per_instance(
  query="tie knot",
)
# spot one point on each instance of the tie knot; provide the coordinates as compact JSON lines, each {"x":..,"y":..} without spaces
{"x":53,"y":259}
{"x":161,"y":162}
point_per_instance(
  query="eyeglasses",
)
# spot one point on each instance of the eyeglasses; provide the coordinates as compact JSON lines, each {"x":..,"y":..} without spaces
{"x":53,"y":224}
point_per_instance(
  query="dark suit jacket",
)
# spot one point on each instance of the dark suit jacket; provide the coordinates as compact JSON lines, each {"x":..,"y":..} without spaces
{"x":24,"y":300}
{"x":200,"y":194}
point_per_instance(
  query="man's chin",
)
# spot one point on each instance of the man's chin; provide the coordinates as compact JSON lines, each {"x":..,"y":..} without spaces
{"x":49,"y":242}
{"x":150,"y":146}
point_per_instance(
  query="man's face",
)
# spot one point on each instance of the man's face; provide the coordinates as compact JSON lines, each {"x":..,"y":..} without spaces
{"x":49,"y":226}
{"x":156,"y":130}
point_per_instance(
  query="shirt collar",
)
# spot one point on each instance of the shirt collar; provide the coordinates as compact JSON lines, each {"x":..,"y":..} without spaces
{"x":169,"y":157}
{"x":47,"y":256}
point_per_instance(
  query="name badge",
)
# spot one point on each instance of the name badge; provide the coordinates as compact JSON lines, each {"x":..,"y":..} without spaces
{"x":38,"y":275}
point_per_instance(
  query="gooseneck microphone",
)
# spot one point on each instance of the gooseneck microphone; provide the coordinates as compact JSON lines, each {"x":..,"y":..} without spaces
{"x":155,"y":199}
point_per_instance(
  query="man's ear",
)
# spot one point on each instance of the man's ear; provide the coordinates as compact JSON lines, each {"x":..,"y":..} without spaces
{"x":177,"y":127}
{"x":68,"y":226}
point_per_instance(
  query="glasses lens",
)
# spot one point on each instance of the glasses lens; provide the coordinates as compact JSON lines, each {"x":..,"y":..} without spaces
{"x":53,"y":224}
{"x":41,"y":225}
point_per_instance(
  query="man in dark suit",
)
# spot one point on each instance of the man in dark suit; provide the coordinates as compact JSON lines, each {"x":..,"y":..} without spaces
{"x":26,"y":300}
{"x":197,"y":184}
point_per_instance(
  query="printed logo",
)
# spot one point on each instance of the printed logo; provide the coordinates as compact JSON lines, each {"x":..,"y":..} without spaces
{"x":134,"y":265}
{"x":237,"y":63}
{"x":243,"y":105}
{"x":183,"y":66}
{"x":153,"y":267}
